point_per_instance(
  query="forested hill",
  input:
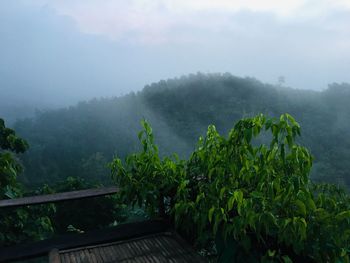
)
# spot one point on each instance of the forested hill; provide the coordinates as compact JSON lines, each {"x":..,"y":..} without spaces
{"x":80,"y":140}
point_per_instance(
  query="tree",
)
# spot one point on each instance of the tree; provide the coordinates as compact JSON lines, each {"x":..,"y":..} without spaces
{"x":22,"y":224}
{"x":9,"y":166}
{"x":253,"y":200}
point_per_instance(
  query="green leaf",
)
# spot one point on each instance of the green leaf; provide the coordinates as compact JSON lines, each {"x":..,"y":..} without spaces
{"x":343,"y":252}
{"x":311,"y":204}
{"x":222,"y":192}
{"x":271,"y":253}
{"x":10,"y":193}
{"x":257,"y":194}
{"x":210,"y":214}
{"x":248,"y":135}
{"x":200,"y":197}
{"x":238,"y":195}
{"x":286,"y":259}
{"x":230,"y":202}
{"x":301,"y":207}
{"x":343,"y":215}
{"x":256,"y":131}
{"x":302,"y":228}
{"x":289,"y":141}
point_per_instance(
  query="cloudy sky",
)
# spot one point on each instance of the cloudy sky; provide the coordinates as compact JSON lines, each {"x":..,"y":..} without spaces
{"x":62,"y":51}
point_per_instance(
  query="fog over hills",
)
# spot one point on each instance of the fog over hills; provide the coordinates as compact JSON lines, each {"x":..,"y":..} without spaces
{"x":229,"y":120}
{"x":89,"y":134}
{"x":56,"y":53}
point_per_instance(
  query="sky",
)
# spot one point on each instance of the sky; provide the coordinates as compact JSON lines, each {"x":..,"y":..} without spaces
{"x":58,"y":52}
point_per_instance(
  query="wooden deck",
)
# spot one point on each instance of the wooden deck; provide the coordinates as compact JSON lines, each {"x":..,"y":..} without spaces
{"x":161,"y":247}
{"x":147,"y":242}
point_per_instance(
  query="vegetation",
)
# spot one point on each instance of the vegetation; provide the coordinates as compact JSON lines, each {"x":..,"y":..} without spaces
{"x":27,"y":224}
{"x":17,"y":225}
{"x":254,"y":193}
{"x":86,"y":214}
{"x":80,"y":140}
{"x":255,"y":200}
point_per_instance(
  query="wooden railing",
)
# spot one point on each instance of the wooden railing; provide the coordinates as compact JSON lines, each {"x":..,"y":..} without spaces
{"x":25,"y":251}
{"x":53,"y":198}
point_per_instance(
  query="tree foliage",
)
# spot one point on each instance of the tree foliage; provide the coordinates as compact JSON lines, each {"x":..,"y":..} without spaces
{"x":76,"y":141}
{"x":31,"y":223}
{"x":22,"y":224}
{"x":146,"y":179}
{"x":255,"y":200}
{"x":84,"y":214}
{"x":9,"y":166}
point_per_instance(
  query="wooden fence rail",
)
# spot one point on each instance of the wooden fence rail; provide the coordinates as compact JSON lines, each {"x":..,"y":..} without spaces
{"x":52,"y":198}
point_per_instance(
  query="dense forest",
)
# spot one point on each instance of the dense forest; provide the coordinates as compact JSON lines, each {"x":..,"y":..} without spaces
{"x":80,"y":140}
{"x":223,"y":163}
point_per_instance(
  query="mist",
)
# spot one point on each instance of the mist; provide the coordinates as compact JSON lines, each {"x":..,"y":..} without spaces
{"x":56,"y":53}
{"x":59,"y":55}
{"x":225,"y":122}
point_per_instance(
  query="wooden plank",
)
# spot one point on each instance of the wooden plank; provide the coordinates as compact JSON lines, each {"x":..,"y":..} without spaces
{"x":54,"y":256}
{"x":97,"y":254}
{"x":73,"y":240}
{"x":161,"y":247}
{"x":92,"y":256}
{"x":66,"y":258}
{"x":52,"y":198}
{"x":71,"y":257}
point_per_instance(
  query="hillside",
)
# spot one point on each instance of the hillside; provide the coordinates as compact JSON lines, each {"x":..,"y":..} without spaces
{"x":80,"y":140}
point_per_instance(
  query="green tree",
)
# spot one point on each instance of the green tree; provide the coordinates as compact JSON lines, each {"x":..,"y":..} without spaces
{"x":180,"y":109}
{"x":253,"y":200}
{"x":146,"y":179}
{"x":9,"y":166}
{"x":22,"y":224}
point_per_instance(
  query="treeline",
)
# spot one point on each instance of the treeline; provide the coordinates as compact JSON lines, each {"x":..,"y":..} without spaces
{"x":81,"y":140}
{"x":30,"y":223}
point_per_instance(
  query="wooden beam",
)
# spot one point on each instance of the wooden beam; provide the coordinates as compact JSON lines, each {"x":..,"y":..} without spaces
{"x":54,"y":256}
{"x":52,"y":198}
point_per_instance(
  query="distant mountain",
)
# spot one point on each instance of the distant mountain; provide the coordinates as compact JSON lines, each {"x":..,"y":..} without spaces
{"x":12,"y":109}
{"x":78,"y":141}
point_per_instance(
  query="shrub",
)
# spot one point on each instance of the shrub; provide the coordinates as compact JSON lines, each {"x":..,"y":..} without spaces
{"x":18,"y":224}
{"x":255,"y":200}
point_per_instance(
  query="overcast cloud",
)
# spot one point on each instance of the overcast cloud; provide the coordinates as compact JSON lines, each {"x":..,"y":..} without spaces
{"x":61,"y":51}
